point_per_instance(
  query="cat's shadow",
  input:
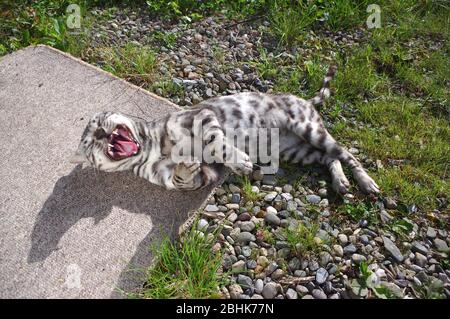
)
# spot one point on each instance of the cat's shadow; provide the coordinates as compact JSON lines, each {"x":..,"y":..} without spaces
{"x":85,"y":193}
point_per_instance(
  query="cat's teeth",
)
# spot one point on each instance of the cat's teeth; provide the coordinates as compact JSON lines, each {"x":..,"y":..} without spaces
{"x":110,"y":145}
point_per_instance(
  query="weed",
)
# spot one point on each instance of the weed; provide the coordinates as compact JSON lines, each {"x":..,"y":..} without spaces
{"x":184,"y":269}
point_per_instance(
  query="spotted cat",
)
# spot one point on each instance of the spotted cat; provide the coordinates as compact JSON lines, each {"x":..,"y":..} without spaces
{"x":116,"y":142}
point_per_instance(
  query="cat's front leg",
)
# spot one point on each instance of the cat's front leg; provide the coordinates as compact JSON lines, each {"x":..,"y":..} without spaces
{"x":193,"y":176}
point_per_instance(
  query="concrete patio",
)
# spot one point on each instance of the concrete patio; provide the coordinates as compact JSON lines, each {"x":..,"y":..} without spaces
{"x":67,"y":231}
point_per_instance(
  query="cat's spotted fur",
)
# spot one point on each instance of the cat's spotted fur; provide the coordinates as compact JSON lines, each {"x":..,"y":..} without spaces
{"x":145,"y":147}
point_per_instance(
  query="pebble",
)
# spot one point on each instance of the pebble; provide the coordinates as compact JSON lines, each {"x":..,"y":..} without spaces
{"x":357,"y":258}
{"x":272,"y":219}
{"x":202,"y":224}
{"x":259,"y":285}
{"x":270,"y":197}
{"x":431,"y":233}
{"x":251,"y":264}
{"x":350,"y":249}
{"x":343,"y":239}
{"x":245,"y":237}
{"x":313,"y":199}
{"x":270,"y":290}
{"x":420,"y":248}
{"x":302,"y":290}
{"x":238,"y":267}
{"x":262,"y":261}
{"x":211,"y":208}
{"x":392,"y":249}
{"x":421,"y":260}
{"x":247,"y":226}
{"x":440,"y":245}
{"x":319,"y":294}
{"x":321,"y":275}
{"x":235,"y":291}
{"x":245,"y":281}
{"x":291,"y":294}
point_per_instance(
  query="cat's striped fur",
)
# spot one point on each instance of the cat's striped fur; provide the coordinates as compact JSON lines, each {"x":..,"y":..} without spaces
{"x":303,"y":139}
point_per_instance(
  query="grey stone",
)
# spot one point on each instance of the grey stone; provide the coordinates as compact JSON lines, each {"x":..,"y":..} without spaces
{"x":202,"y":224}
{"x":324,"y":258}
{"x":420,"y":248}
{"x":440,"y":245}
{"x":245,"y":281}
{"x":392,"y":249}
{"x":277,"y":274}
{"x":270,"y":290}
{"x":271,"y":268}
{"x":350,"y":249}
{"x":313,"y":265}
{"x":272,"y":219}
{"x":313,"y":199}
{"x":251,"y":264}
{"x":319,"y":294}
{"x":338,"y":250}
{"x":302,"y":290}
{"x":247,"y":226}
{"x":235,"y":291}
{"x":245,"y":237}
{"x":431,"y":232}
{"x":421,"y":260}
{"x":357,"y":258}
{"x":246,"y":251}
{"x":343,"y":239}
{"x":294,"y":264}
{"x":389,"y":203}
{"x":321,"y":275}
{"x":211,"y":208}
{"x":235,"y":198}
{"x":291,"y":294}
{"x":259,"y":286}
{"x":270,"y":197}
{"x":238,"y":266}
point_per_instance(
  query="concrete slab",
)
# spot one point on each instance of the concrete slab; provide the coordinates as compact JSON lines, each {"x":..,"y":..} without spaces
{"x":65,"y":231}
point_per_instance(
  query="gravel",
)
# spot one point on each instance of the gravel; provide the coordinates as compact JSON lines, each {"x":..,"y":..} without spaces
{"x":206,"y":60}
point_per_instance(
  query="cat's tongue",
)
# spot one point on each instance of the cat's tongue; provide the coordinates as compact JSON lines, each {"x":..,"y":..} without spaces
{"x":125,"y":148}
{"x":122,"y":144}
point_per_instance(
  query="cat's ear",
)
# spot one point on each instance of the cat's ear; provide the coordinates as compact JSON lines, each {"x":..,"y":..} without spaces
{"x":78,"y":158}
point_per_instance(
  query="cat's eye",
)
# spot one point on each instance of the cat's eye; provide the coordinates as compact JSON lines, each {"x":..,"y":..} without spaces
{"x":100,"y":133}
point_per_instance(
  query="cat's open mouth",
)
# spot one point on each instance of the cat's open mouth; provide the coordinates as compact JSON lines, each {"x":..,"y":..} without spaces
{"x":121,"y":144}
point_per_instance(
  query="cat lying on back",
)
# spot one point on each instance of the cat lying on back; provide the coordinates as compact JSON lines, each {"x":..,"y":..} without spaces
{"x":115,"y":142}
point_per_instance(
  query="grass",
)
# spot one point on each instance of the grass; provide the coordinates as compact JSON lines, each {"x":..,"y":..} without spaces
{"x":132,"y":62}
{"x":301,"y":239}
{"x":184,"y":269}
{"x":247,"y":192}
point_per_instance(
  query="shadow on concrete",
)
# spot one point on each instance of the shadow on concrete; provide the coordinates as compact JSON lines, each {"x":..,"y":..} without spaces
{"x":86,"y":193}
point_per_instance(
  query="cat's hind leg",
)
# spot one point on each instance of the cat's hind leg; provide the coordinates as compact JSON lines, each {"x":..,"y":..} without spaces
{"x":315,"y":134}
{"x":306,"y":154}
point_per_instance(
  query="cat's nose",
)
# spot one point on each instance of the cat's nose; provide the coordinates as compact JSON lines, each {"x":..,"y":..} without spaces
{"x":100,"y":133}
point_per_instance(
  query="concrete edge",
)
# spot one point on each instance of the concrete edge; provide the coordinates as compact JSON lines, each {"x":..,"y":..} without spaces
{"x":96,"y":68}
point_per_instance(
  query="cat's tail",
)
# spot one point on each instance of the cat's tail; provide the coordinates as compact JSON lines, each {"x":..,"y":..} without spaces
{"x":324,"y":92}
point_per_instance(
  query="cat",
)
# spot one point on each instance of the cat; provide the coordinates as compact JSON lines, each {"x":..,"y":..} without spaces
{"x":115,"y":142}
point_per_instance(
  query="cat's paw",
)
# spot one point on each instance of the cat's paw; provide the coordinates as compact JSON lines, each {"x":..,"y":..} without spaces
{"x":242,"y":166}
{"x":368,"y":185}
{"x":341,"y":185}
